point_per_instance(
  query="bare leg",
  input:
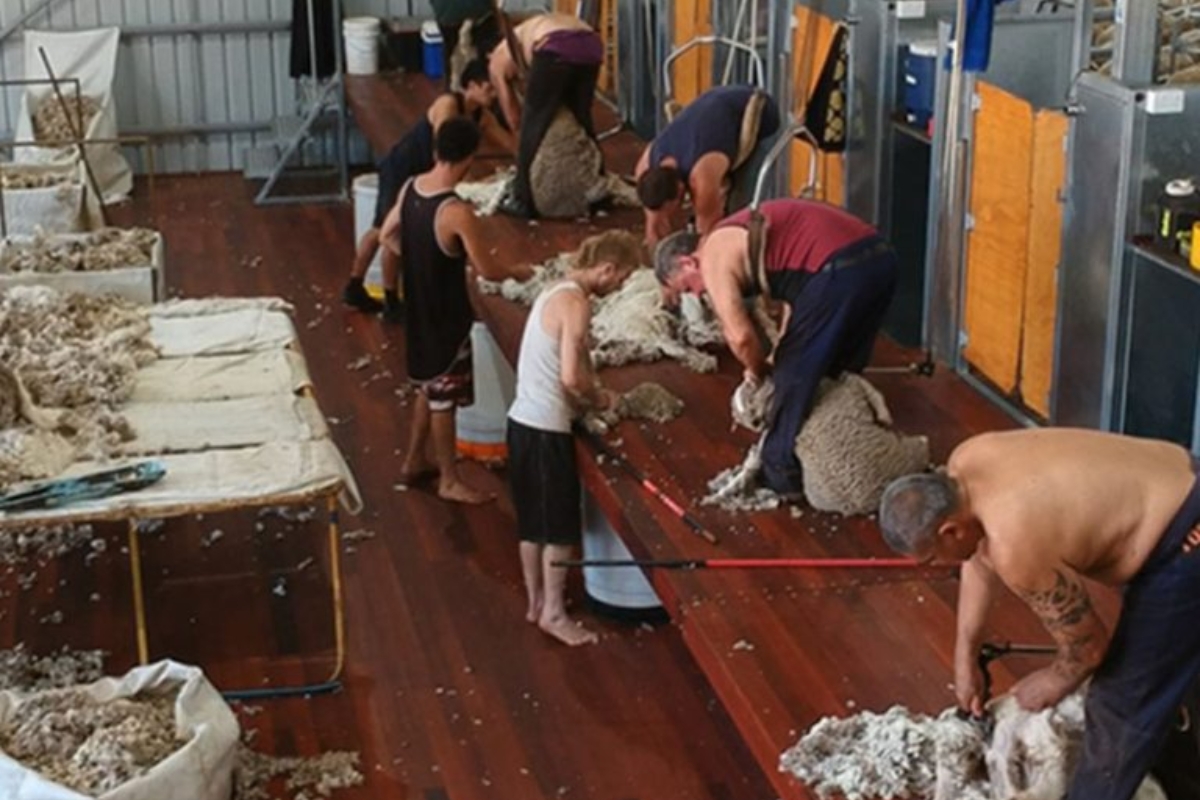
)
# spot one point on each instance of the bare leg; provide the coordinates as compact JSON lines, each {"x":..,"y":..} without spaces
{"x":367,"y":247}
{"x":450,"y":486}
{"x":391,"y":267}
{"x":531,"y":569}
{"x":416,"y":463}
{"x":554,"y":619}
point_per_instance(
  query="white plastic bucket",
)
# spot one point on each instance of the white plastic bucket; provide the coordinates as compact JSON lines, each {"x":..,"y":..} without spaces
{"x":482,"y":426}
{"x":623,"y":590}
{"x":366,"y":190}
{"x":361,"y":36}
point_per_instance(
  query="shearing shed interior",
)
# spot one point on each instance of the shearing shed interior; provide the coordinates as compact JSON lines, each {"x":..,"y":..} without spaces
{"x":599,"y":400}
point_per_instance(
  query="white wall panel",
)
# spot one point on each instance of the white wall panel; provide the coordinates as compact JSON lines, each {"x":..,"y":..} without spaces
{"x":181,"y":81}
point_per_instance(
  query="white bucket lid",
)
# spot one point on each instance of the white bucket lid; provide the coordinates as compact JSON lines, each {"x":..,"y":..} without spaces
{"x":1181,"y":187}
{"x":926,"y":48}
{"x":430,"y":31}
{"x":361,"y":25}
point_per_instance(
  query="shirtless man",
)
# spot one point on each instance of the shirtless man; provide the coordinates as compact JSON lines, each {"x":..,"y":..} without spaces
{"x":835,"y":276}
{"x":437,"y":234}
{"x":563,"y":55}
{"x":413,"y":155}
{"x":1039,"y":510}
{"x":555,"y":382}
{"x":696,"y":155}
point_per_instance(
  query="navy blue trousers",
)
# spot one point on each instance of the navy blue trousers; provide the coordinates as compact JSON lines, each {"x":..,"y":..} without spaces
{"x":835,"y":316}
{"x":1152,"y":660}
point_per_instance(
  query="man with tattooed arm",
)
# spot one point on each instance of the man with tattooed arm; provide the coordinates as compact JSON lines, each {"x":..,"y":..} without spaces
{"x":1037,"y":511}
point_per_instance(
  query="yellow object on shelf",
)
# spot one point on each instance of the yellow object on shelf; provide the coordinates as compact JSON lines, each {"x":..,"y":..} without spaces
{"x":1194,"y":258}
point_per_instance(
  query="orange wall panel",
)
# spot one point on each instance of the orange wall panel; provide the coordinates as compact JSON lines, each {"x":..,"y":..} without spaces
{"x":691,"y":73}
{"x":997,"y":248}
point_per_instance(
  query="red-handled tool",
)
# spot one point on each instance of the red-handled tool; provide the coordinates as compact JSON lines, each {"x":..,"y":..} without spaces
{"x":751,"y":563}
{"x":600,"y":447}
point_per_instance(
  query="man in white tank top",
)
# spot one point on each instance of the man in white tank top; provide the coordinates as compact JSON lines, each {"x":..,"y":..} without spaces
{"x":555,"y":383}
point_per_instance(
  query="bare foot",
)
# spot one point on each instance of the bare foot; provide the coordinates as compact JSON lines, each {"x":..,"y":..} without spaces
{"x":568,"y":631}
{"x":458,"y":492}
{"x":535,"y":608}
{"x":416,"y":472}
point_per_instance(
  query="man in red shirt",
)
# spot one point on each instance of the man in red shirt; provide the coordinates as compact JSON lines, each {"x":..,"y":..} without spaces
{"x":835,"y":276}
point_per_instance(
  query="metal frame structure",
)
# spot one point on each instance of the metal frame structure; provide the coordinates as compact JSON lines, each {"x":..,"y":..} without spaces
{"x":335,"y":85}
{"x":331,"y":684}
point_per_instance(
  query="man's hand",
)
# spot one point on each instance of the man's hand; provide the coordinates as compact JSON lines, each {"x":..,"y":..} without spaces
{"x":1043,"y":689}
{"x":968,"y":686}
{"x":607,"y":399}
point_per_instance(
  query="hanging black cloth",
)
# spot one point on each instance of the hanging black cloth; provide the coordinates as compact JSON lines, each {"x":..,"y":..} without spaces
{"x":825,"y":116}
{"x":324,"y":33}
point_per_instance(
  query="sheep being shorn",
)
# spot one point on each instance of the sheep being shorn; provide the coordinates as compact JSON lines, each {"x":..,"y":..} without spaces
{"x":567,"y":177}
{"x":849,"y":451}
{"x":846,"y":448}
{"x":1030,"y":756}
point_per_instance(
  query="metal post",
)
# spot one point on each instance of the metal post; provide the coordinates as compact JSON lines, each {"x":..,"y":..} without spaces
{"x":3,"y":213}
{"x":139,"y":602}
{"x":948,"y":255}
{"x":1136,"y":46}
{"x":737,"y":29}
{"x":1081,"y":47}
{"x":343,"y":153}
{"x":77,"y":131}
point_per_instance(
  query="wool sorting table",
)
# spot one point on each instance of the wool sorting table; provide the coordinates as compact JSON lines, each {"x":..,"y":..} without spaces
{"x":228,"y":410}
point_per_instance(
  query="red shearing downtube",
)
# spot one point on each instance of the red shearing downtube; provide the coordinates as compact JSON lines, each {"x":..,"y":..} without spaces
{"x":750,"y":563}
{"x":647,"y":484}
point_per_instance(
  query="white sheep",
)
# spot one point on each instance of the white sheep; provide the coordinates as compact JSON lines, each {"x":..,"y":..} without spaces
{"x":849,"y":451}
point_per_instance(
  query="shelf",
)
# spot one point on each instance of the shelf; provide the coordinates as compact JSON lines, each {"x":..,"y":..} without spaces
{"x":1167,"y":260}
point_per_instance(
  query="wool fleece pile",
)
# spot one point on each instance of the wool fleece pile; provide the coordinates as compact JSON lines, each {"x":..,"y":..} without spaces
{"x":899,"y":754}
{"x":69,"y":361}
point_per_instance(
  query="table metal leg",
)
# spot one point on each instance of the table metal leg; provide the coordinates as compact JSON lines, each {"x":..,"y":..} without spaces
{"x":139,"y":602}
{"x":339,"y":627}
{"x":335,"y":587}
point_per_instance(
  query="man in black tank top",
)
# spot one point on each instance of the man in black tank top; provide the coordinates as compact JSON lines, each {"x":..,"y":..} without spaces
{"x":413,"y":155}
{"x":437,"y":234}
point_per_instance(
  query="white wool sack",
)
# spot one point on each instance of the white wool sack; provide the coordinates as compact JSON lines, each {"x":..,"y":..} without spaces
{"x":90,"y":57}
{"x":57,"y":208}
{"x":201,"y":769}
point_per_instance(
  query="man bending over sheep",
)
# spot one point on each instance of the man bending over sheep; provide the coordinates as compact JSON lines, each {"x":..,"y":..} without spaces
{"x":413,"y":155}
{"x":555,"y":382}
{"x":835,"y":276}
{"x":1038,"y":511}
{"x":563,"y":56}
{"x":436,"y":233}
{"x":724,"y":131}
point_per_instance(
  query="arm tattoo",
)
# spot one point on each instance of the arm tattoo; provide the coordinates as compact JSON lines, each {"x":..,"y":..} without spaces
{"x":1062,"y":608}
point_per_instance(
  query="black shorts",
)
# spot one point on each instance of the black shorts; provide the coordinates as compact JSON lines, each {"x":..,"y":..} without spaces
{"x":545,"y":485}
{"x":394,"y":169}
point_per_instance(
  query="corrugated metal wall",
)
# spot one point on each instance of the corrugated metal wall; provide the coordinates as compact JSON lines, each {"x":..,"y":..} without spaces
{"x":193,"y":80}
